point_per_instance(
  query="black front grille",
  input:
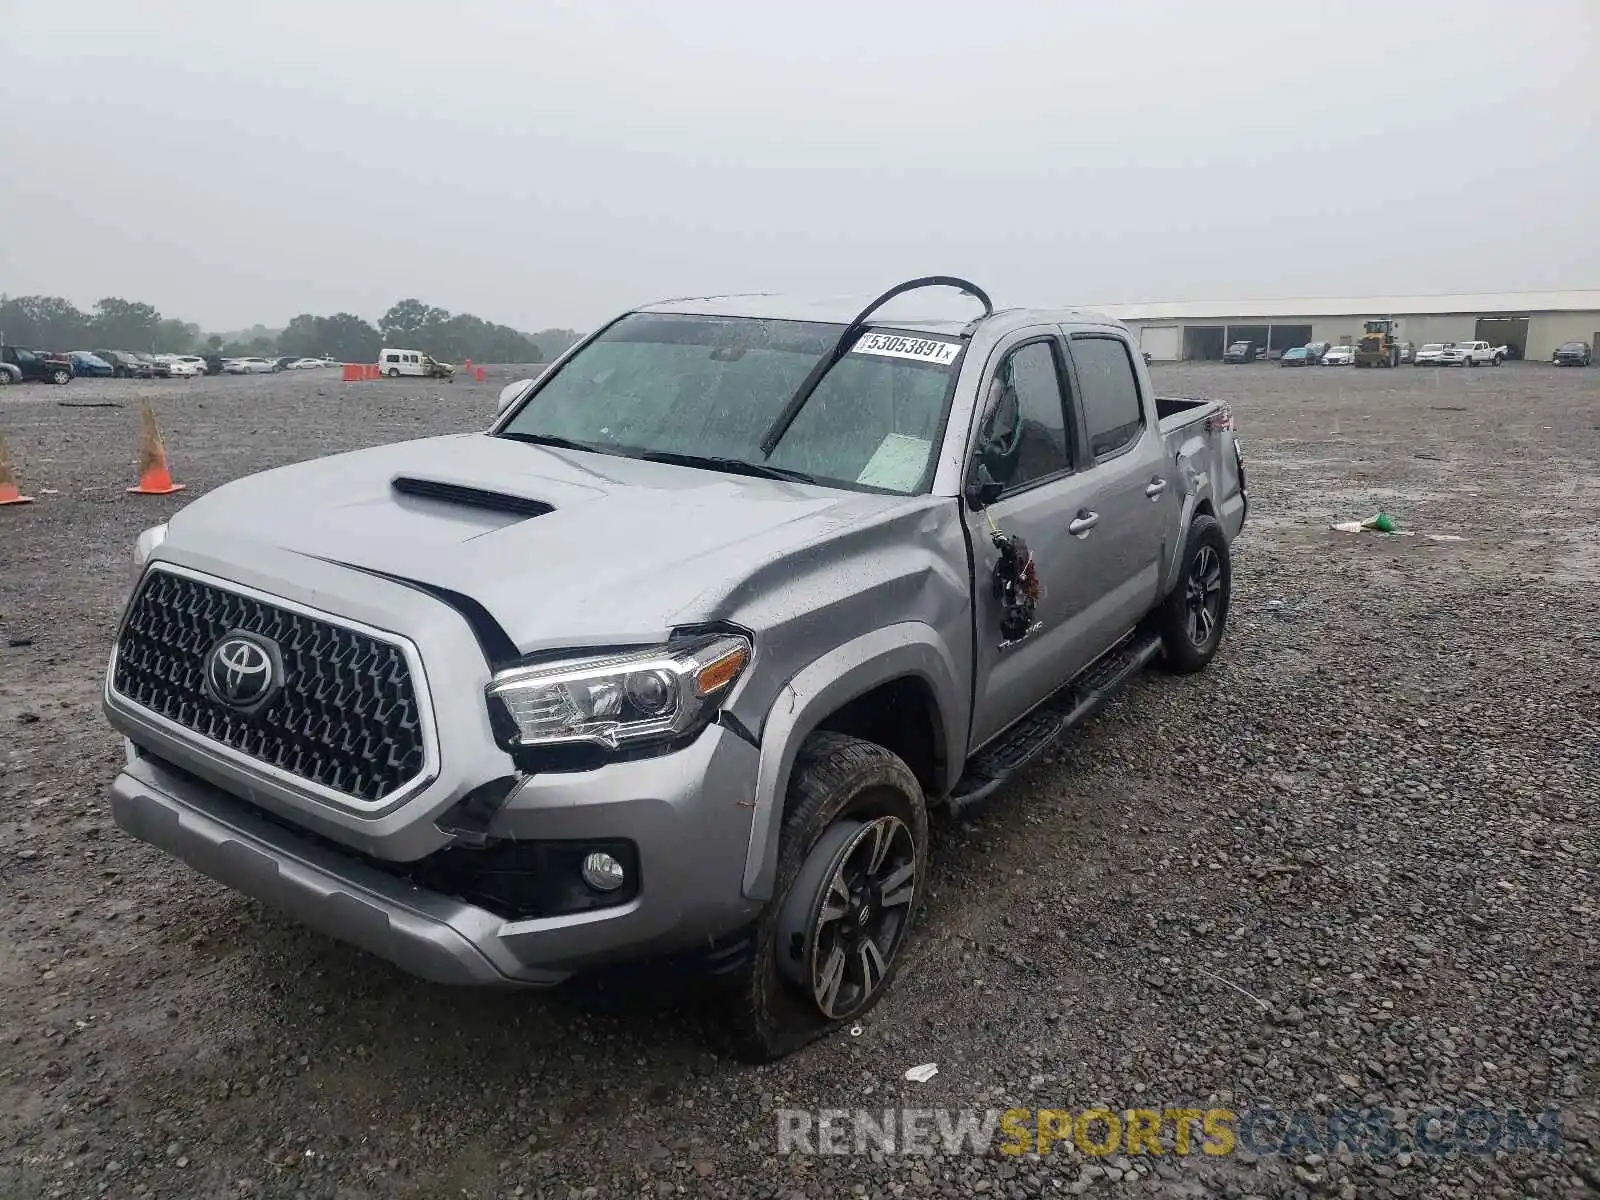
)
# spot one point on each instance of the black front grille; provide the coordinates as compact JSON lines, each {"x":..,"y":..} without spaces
{"x":346,"y":717}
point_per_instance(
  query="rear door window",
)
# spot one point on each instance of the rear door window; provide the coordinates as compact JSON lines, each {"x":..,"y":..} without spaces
{"x":1108,"y":391}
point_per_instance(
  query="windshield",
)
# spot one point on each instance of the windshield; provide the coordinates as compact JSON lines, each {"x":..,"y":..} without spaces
{"x":1571,"y":346}
{"x":1432,"y":346}
{"x":709,"y":388}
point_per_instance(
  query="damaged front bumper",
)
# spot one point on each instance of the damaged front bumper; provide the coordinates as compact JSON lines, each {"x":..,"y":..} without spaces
{"x":444,"y":922}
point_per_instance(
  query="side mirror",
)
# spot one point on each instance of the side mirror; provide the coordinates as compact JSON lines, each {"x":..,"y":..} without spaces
{"x":511,"y":393}
{"x":983,"y":489}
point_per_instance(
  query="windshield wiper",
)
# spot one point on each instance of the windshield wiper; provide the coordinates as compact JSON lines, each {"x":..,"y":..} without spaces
{"x":549,"y":439}
{"x":808,"y":385}
{"x":734,"y":466}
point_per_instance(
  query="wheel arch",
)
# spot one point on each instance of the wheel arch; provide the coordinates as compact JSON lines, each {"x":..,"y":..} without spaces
{"x":1197,"y":499}
{"x":897,"y":666}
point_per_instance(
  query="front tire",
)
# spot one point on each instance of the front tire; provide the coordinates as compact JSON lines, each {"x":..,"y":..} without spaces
{"x":1193,"y":617}
{"x":851,"y":862}
{"x":60,"y":377}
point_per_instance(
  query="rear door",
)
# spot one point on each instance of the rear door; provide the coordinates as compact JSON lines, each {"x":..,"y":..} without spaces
{"x":1133,"y":489}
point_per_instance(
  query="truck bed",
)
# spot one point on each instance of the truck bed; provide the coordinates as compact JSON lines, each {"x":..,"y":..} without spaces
{"x":1175,"y":412}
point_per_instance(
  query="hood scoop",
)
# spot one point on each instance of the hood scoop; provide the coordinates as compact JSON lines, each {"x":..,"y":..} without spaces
{"x":468,"y":496}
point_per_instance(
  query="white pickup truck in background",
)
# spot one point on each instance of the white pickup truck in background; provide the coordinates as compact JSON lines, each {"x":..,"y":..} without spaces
{"x":1472,"y":354}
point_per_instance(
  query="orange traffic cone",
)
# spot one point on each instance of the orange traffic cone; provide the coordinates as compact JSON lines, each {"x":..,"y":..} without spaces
{"x":9,"y":492}
{"x":154,"y":477}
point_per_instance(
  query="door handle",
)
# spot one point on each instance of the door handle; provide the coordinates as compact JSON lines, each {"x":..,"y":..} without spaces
{"x":1155,"y":487}
{"x":1080,"y":525}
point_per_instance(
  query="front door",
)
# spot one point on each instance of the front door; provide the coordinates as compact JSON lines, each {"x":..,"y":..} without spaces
{"x":1027,"y":442}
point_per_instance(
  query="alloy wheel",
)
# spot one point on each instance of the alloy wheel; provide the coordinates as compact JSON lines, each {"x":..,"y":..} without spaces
{"x":1204,"y":596}
{"x":861,"y":917}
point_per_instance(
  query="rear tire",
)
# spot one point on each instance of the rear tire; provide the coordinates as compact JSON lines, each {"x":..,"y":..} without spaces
{"x":393,"y":372}
{"x":855,"y":837}
{"x":1189,"y":640}
{"x":60,"y":377}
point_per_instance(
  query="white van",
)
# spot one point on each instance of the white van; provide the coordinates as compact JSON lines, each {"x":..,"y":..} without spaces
{"x":395,"y":363}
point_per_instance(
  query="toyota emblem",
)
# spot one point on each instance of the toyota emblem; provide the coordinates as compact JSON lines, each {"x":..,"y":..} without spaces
{"x":242,"y":670}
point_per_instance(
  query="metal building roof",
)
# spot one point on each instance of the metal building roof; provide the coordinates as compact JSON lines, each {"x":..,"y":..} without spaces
{"x":1369,"y":306}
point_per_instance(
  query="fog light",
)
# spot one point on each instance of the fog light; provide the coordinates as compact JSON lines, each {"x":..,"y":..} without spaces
{"x":602,"y":872}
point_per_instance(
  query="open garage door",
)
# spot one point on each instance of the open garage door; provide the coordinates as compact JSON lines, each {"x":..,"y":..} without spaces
{"x":1287,"y":337}
{"x":1249,"y":333}
{"x":1204,"y":342}
{"x":1164,"y":343}
{"x":1511,"y":332}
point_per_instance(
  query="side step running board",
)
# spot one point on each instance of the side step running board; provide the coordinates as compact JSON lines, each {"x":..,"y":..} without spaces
{"x":1038,"y":731}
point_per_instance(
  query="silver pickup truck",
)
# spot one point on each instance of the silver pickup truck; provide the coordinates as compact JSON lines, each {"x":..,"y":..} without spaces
{"x":671,"y":664}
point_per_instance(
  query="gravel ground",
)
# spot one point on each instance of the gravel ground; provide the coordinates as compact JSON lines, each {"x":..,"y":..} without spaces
{"x":1353,"y":864}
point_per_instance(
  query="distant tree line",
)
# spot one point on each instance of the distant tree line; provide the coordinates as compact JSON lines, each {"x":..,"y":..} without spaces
{"x":51,"y":323}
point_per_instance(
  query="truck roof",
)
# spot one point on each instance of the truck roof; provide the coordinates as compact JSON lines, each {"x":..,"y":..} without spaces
{"x":840,"y":310}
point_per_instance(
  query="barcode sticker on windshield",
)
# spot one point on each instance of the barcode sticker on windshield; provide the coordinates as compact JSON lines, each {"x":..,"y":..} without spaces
{"x":894,"y":345}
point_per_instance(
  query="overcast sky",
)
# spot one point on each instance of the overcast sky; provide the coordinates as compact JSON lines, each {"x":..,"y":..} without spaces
{"x":548,"y":162}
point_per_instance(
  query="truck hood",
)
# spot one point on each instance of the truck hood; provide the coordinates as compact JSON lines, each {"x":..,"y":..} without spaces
{"x":562,"y":548}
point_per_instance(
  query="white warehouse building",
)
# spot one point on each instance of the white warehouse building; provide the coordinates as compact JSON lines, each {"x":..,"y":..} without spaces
{"x":1532,"y":323}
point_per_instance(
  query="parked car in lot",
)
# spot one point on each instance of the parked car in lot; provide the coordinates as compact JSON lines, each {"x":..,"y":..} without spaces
{"x":159,"y":368}
{"x":1339,"y":356}
{"x":123,"y":364}
{"x":9,"y":373}
{"x":1407,"y":351}
{"x":1471,"y":354}
{"x":195,"y":360}
{"x":1316,"y":351}
{"x":395,"y":363}
{"x":304,"y":364}
{"x":1240,"y":352}
{"x":1297,"y":356}
{"x":1572,"y":354}
{"x":249,"y":366}
{"x":185,"y":368}
{"x":35,"y":366}
{"x":562,"y":719}
{"x":214,"y":363}
{"x":1431,"y":355}
{"x":87,"y":364}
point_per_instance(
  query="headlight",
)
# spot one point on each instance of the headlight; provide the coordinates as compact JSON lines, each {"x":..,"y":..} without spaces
{"x":655,"y":694}
{"x":146,"y":544}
